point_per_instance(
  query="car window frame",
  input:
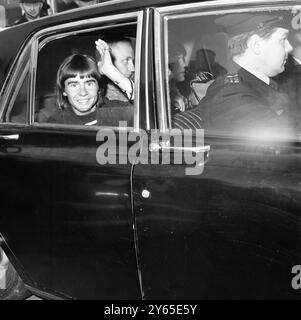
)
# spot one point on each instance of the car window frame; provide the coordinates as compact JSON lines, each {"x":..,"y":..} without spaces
{"x":55,"y":32}
{"x":164,"y":14}
{"x":14,"y":80}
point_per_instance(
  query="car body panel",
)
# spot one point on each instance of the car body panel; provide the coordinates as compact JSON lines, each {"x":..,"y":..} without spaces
{"x":76,"y":229}
{"x":232,"y":232}
{"x":73,"y":213}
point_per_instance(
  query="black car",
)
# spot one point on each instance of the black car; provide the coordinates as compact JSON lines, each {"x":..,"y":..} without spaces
{"x":76,"y":226}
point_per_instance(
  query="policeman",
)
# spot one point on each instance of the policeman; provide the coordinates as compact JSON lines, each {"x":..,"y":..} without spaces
{"x":248,"y":98}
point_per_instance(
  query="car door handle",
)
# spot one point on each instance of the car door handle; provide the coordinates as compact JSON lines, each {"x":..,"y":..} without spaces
{"x":9,"y":137}
{"x":165,"y":147}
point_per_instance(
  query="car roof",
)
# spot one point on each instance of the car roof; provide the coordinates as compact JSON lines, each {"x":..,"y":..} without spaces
{"x":14,"y":37}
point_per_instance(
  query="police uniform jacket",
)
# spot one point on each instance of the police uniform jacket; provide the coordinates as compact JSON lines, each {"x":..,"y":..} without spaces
{"x":241,"y":101}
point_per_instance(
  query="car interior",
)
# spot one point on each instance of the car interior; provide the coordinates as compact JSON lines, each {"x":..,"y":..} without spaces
{"x":206,"y":48}
{"x":54,"y":52}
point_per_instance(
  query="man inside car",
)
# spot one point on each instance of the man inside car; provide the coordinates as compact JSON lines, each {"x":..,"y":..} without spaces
{"x":122,"y":58}
{"x":78,"y":91}
{"x":249,"y":98}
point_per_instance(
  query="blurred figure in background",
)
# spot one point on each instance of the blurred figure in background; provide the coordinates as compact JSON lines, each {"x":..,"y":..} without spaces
{"x":84,"y":3}
{"x":31,"y":10}
{"x":205,"y":62}
{"x":63,"y":5}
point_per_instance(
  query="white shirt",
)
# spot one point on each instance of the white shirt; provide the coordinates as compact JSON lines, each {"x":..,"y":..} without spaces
{"x":297,"y":60}
{"x":257,"y":74}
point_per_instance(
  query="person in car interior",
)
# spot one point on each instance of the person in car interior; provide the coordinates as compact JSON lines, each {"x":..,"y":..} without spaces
{"x":182,"y":98}
{"x":181,"y":95}
{"x":205,"y":62}
{"x":32,"y":10}
{"x":248,"y":99}
{"x":115,"y":59}
{"x":80,"y":95}
{"x":78,"y":91}
{"x":177,"y":72}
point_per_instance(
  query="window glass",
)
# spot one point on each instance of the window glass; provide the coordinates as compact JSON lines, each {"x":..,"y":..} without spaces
{"x":235,"y":73}
{"x":12,"y":12}
{"x":16,"y":111}
{"x":73,"y":87}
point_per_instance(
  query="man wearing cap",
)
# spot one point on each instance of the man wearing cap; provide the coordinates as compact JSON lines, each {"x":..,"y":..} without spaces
{"x":31,"y":10}
{"x":248,"y":98}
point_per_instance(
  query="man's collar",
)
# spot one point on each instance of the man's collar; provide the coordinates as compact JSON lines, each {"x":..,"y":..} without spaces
{"x":257,"y":74}
{"x":297,"y":60}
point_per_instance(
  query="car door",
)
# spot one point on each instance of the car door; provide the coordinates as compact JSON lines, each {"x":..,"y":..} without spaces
{"x":231,"y":231}
{"x":65,"y":217}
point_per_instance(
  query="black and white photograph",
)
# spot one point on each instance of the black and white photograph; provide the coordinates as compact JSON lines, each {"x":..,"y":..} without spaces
{"x":150,"y":152}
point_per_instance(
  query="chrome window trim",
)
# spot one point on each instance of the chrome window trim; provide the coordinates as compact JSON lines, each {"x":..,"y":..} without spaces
{"x":159,"y":66}
{"x":87,"y":25}
{"x":119,"y":22}
{"x":164,"y":14}
{"x":138,"y":50}
{"x":22,"y":76}
{"x":147,"y":110}
{"x":97,"y":5}
{"x":81,"y":23}
{"x":33,"y":71}
{"x":19,"y":63}
{"x":70,"y":33}
{"x":210,"y":5}
{"x":75,"y":127}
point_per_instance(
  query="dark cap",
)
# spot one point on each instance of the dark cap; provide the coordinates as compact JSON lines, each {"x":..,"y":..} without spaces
{"x":235,"y":24}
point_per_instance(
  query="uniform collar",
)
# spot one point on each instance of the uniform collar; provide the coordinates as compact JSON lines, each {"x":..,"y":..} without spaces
{"x":257,"y":74}
{"x":297,"y":60}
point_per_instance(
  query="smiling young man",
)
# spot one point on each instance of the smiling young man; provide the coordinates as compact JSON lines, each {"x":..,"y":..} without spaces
{"x":78,"y":91}
{"x":248,"y":100}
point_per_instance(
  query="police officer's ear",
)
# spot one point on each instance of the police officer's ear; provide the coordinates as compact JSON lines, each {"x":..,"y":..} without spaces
{"x":254,"y":44}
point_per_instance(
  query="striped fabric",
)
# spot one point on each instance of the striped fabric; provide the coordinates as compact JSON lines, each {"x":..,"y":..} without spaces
{"x":191,"y":119}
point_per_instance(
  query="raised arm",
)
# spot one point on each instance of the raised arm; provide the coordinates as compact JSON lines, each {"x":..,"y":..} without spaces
{"x":107,"y":68}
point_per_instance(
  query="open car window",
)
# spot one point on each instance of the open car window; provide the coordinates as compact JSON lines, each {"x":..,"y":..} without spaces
{"x":205,"y":88}
{"x":112,"y":104}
